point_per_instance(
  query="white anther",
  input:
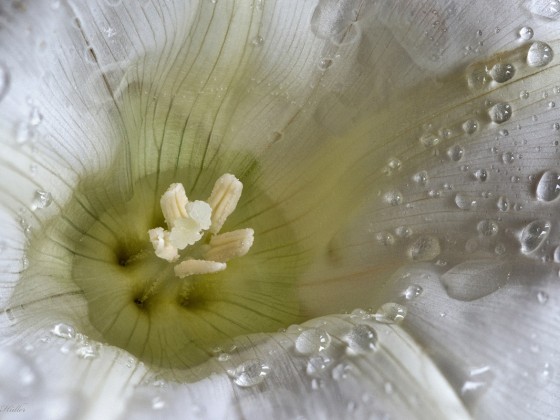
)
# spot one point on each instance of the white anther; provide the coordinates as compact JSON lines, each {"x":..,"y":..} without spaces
{"x":189,"y":230}
{"x":226,"y":246}
{"x":192,"y":267}
{"x":173,"y":204}
{"x":162,"y":246}
{"x":223,"y":200}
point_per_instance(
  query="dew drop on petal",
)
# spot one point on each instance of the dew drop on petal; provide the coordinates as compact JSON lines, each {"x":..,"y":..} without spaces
{"x":508,"y":158}
{"x":470,"y":126}
{"x":500,"y":112}
{"x":64,"y":331}
{"x":465,"y":202}
{"x":312,"y":341}
{"x":481,"y":175}
{"x":393,"y":198}
{"x":455,"y":153}
{"x":503,"y":203}
{"x":502,"y":72}
{"x":429,"y":140}
{"x":390,"y":313}
{"x":88,"y":351}
{"x":41,"y":200}
{"x":425,"y":248}
{"x":413,"y":291}
{"x":533,"y":235}
{"x":249,"y":373}
{"x":542,"y":297}
{"x":539,"y":54}
{"x":325,"y":63}
{"x":318,"y":365}
{"x":474,"y":279}
{"x":420,"y":177}
{"x":487,"y":227}
{"x":548,"y":186}
{"x":526,"y":33}
{"x":361,"y":339}
{"x":257,"y":41}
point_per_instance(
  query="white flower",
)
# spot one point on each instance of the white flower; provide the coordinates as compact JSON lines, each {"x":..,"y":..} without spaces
{"x":400,"y":157}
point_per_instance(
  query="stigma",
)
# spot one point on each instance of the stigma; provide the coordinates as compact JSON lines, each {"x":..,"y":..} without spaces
{"x":192,"y":238}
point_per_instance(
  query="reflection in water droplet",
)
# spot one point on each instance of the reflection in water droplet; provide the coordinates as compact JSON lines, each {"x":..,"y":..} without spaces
{"x":474,"y":279}
{"x":526,"y":33}
{"x":502,"y":72}
{"x":487,"y":227}
{"x":312,"y":341}
{"x":249,"y":373}
{"x":429,"y":140}
{"x":361,"y":339}
{"x":425,"y":248}
{"x":390,"y":313}
{"x":500,"y":113}
{"x":534,"y":235}
{"x":64,"y":331}
{"x":413,"y":291}
{"x":539,"y":54}
{"x":548,"y":186}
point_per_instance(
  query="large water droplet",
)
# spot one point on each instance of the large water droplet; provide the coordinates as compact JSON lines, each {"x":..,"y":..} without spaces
{"x":420,"y":177}
{"x":502,"y":72}
{"x":500,"y":113}
{"x":312,"y":341}
{"x":548,"y":186}
{"x":474,"y":279}
{"x":361,"y":339}
{"x":64,"y":331}
{"x":390,"y":313}
{"x":249,"y":373}
{"x":425,"y":248}
{"x":526,"y":33}
{"x":539,"y":54}
{"x":4,"y":81}
{"x":533,"y":235}
{"x":503,"y":203}
{"x":481,"y":175}
{"x":455,"y":153}
{"x":465,"y":202}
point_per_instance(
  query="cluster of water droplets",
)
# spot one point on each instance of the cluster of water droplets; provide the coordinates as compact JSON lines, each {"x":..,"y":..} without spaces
{"x":76,"y":343}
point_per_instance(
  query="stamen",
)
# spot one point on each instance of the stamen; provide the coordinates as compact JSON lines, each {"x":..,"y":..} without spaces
{"x":173,"y":204}
{"x":192,"y":267}
{"x":223,"y":200}
{"x":162,"y":246}
{"x":229,"y":245}
{"x":188,"y":230}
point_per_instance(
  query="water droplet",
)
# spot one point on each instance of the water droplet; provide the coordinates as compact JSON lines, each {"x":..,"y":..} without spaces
{"x":4,"y":81}
{"x":257,"y":41}
{"x":464,"y":202}
{"x":403,"y":231}
{"x":35,"y":117}
{"x":361,"y":339}
{"x":429,"y":140}
{"x":420,"y":177}
{"x":500,"y":113}
{"x":533,"y":235}
{"x":508,"y":158}
{"x":548,"y":186}
{"x":325,"y":63}
{"x":542,"y":297}
{"x":545,"y":374}
{"x":502,"y":72}
{"x":158,"y":403}
{"x":394,"y":163}
{"x":312,"y":341}
{"x":394,"y":198}
{"x":539,"y":54}
{"x":64,"y":331}
{"x":23,"y":133}
{"x":503,"y":203}
{"x":88,"y":351}
{"x":524,"y":94}
{"x":526,"y":33}
{"x":340,"y":371}
{"x":413,"y":291}
{"x":249,"y":373}
{"x":481,"y":175}
{"x":319,"y":364}
{"x":474,"y":279}
{"x":470,"y":126}
{"x":385,"y":238}
{"x":455,"y":153}
{"x":41,"y":200}
{"x":390,"y":313}
{"x":487,"y":227}
{"x":425,"y":248}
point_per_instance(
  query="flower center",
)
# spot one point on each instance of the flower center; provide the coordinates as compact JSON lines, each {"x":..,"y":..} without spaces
{"x":151,"y":265}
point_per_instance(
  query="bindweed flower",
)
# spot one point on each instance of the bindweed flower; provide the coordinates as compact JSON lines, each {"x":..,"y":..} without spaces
{"x":284,"y":209}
